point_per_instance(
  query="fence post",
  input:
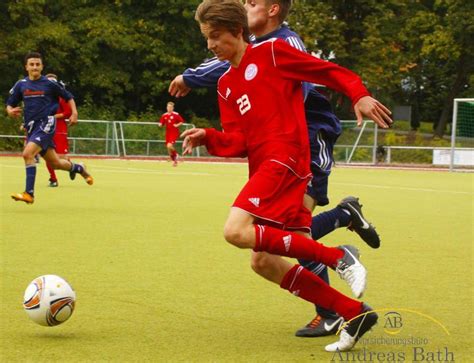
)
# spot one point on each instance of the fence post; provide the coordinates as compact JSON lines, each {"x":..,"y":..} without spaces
{"x":453,"y":134}
{"x":374,"y":149}
{"x":357,"y":141}
{"x":107,"y":139}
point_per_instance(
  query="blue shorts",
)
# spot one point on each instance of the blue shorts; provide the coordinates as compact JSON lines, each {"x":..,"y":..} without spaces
{"x":324,"y":129}
{"x":41,"y":132}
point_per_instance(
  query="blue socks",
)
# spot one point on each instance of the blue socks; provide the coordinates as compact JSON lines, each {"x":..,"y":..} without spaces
{"x":326,"y":222}
{"x":30,"y":179}
{"x":77,"y":168}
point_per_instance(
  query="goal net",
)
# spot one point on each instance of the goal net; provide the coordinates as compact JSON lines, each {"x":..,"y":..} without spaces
{"x":461,"y":154}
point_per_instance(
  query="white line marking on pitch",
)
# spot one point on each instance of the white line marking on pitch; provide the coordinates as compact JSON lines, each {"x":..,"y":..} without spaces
{"x":404,"y":188}
{"x":112,"y":169}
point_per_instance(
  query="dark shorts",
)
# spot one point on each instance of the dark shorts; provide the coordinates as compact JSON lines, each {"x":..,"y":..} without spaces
{"x":323,"y":128}
{"x":41,"y":132}
{"x":321,"y":147}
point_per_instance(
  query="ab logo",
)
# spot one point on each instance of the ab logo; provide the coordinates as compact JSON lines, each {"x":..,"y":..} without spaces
{"x":393,"y":323}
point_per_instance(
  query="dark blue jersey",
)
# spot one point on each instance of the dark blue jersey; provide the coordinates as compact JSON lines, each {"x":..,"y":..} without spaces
{"x":40,"y":97}
{"x":319,"y":112}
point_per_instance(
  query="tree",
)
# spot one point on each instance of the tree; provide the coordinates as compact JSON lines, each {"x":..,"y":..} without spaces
{"x":119,"y":55}
{"x":416,"y":52}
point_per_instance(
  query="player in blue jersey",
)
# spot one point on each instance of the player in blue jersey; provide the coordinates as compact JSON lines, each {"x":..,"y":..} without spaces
{"x":40,"y":100}
{"x":266,"y":20}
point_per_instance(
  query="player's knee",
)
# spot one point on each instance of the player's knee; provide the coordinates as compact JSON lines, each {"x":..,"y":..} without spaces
{"x":259,"y":263}
{"x":28,"y":155}
{"x":235,"y":236}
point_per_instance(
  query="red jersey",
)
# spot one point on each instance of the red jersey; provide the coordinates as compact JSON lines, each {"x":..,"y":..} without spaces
{"x":65,"y":109}
{"x":170,"y":120}
{"x":262,"y":106}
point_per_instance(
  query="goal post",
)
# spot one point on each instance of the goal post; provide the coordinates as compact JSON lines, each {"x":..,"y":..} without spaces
{"x":461,"y":154}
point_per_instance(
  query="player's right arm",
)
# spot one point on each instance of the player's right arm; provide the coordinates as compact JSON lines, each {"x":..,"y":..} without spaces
{"x":205,"y":75}
{"x":218,"y":143}
{"x":161,"y":121}
{"x":228,"y":143}
{"x":13,"y":111}
{"x":14,"y":98}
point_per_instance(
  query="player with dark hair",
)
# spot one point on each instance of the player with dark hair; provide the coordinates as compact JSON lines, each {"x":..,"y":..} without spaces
{"x":40,"y":97}
{"x":263,"y":118}
{"x":172,"y":121}
{"x":266,"y":19}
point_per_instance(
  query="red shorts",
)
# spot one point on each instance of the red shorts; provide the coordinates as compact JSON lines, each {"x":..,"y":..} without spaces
{"x":61,"y":142}
{"x":274,"y":195}
{"x":171,"y":135}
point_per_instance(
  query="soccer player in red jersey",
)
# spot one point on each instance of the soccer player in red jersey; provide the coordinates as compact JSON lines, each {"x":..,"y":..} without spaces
{"x":172,"y":120}
{"x":262,"y":115}
{"x":60,"y":135}
{"x":266,"y":19}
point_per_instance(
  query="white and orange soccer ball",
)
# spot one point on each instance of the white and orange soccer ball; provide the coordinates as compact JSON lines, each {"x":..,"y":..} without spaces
{"x":49,"y":300}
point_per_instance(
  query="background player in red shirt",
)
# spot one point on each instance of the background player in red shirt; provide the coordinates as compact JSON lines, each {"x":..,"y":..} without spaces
{"x":60,"y":135}
{"x":172,"y":120}
{"x":262,"y":115}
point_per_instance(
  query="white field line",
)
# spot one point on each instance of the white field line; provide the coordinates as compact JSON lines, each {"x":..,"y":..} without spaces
{"x":121,"y":170}
{"x":376,"y":186}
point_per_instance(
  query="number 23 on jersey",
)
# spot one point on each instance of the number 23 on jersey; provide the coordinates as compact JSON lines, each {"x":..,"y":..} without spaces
{"x":244,"y":104}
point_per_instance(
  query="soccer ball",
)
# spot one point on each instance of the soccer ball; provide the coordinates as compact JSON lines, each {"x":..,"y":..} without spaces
{"x":49,"y":300}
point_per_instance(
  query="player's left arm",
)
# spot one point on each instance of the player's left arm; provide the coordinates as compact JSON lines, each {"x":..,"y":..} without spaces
{"x":74,"y":115}
{"x":300,"y":66}
{"x":180,"y":121}
{"x":218,"y":143}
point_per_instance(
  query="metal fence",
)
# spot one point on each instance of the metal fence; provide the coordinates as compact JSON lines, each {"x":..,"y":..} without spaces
{"x":362,"y":145}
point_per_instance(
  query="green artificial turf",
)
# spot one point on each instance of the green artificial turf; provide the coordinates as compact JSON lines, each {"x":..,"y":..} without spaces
{"x":155,"y":280}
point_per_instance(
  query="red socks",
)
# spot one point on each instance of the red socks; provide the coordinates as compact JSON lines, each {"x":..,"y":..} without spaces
{"x":306,"y":285}
{"x":291,"y":244}
{"x":52,"y":174}
{"x":173,"y":155}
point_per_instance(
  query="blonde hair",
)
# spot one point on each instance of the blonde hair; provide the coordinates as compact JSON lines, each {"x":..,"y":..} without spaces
{"x":227,"y":14}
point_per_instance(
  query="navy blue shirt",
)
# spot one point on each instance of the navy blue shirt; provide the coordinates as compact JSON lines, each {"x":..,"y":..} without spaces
{"x":40,"y":97}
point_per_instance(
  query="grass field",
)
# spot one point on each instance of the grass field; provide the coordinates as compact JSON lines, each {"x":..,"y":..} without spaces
{"x":155,"y":280}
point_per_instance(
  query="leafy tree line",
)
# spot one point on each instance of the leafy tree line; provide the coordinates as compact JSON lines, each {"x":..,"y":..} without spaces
{"x":416,"y":53}
{"x":118,"y":57}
